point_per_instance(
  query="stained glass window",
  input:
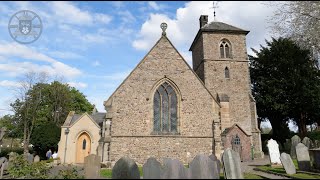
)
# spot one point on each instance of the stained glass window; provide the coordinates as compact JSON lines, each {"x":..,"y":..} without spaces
{"x":165,"y":109}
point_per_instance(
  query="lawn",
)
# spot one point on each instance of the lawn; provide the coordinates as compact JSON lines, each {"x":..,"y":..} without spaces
{"x":281,"y":171}
{"x":107,"y":173}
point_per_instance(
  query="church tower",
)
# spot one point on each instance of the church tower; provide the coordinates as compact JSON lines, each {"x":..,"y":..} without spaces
{"x":220,"y":60}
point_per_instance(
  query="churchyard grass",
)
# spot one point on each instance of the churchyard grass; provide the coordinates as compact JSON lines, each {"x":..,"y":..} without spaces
{"x":281,"y":171}
{"x":107,"y":173}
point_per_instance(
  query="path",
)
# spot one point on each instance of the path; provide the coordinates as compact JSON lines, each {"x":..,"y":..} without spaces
{"x":248,"y":168}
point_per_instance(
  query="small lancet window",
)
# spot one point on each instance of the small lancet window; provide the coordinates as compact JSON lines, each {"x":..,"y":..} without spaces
{"x":84,"y":143}
{"x":226,"y":73}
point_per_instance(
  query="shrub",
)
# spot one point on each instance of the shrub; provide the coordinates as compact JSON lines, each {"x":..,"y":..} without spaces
{"x":69,"y":174}
{"x":20,"y":168}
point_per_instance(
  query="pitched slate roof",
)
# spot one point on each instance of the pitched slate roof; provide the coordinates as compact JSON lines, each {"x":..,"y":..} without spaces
{"x":72,"y":118}
{"x":216,"y":26}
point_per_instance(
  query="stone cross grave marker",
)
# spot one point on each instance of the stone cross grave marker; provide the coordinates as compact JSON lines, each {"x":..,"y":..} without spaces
{"x":287,"y":163}
{"x":125,"y":168}
{"x":174,"y":169}
{"x":231,"y":164}
{"x":202,"y":167}
{"x":303,"y":157}
{"x":151,"y":169}
{"x":92,"y":166}
{"x":274,"y":153}
{"x":294,"y":141}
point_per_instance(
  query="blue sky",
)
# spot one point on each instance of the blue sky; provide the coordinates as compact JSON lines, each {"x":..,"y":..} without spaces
{"x":95,"y":45}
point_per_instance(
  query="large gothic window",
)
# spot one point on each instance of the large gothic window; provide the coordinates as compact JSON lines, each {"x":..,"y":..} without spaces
{"x":165,"y":110}
{"x":225,"y":49}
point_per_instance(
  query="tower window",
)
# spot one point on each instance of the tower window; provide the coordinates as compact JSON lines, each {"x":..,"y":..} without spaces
{"x":165,"y":109}
{"x":226,"y":73}
{"x":225,"y":49}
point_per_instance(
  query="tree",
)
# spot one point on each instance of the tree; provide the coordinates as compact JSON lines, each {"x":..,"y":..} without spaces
{"x":286,"y":85}
{"x":45,"y":136}
{"x":299,"y":20}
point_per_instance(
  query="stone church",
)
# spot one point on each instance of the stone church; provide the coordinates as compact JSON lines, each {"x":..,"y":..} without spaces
{"x":165,"y":108}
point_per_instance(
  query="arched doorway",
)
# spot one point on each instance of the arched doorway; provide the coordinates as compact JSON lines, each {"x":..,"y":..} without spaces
{"x":83,"y":147}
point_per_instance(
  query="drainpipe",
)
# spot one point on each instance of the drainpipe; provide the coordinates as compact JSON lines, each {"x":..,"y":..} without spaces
{"x":66,"y":132}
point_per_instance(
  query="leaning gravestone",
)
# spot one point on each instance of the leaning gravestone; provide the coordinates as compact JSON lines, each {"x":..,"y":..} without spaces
{"x":202,"y":167}
{"x":303,"y":157}
{"x":214,"y":158}
{"x":231,"y":164}
{"x":287,"y":163}
{"x":307,"y":142}
{"x":174,"y":169}
{"x":151,"y":169}
{"x":294,"y":141}
{"x":92,"y":166}
{"x":36,"y":158}
{"x":125,"y":168}
{"x":274,"y":152}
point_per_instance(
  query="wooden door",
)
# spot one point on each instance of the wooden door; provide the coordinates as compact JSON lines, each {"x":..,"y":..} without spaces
{"x":83,"y":147}
{"x":236,"y":146}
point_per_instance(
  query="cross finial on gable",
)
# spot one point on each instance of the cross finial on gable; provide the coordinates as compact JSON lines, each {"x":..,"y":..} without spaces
{"x":163,"y":26}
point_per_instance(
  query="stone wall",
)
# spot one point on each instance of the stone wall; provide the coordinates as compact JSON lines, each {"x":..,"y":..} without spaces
{"x":131,"y":106}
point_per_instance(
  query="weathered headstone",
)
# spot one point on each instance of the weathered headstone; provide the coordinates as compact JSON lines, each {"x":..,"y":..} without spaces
{"x":315,"y":156}
{"x":214,"y":158}
{"x":231,"y":164}
{"x":202,"y":167}
{"x":125,"y":168}
{"x":151,"y":169}
{"x":303,"y":157}
{"x":29,"y":158}
{"x":307,"y":142}
{"x":92,"y":166}
{"x":287,"y":163}
{"x":174,"y":169}
{"x":294,"y":141}
{"x":274,"y":153}
{"x":36,"y":158}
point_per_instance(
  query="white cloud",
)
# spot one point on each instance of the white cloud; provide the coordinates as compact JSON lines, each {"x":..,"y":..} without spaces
{"x":6,"y":83}
{"x":183,"y":27}
{"x":96,"y":63}
{"x":77,"y":84}
{"x":154,"y":5}
{"x":15,"y":50}
{"x":103,"y":18}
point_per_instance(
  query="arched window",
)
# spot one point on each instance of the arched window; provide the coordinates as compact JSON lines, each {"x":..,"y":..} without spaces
{"x":84,"y":143}
{"x":225,"y":49}
{"x":165,"y":109}
{"x":226,"y":73}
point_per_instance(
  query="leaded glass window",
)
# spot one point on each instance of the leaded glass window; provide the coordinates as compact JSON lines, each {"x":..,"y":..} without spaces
{"x":165,"y":109}
{"x":225,"y":49}
{"x":236,"y":140}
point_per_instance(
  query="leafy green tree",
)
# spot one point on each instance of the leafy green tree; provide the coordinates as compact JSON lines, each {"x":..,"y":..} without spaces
{"x":286,"y":85}
{"x":45,"y":137}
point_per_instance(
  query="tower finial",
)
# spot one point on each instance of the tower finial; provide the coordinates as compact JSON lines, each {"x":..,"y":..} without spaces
{"x":163,"y":26}
{"x":215,"y":5}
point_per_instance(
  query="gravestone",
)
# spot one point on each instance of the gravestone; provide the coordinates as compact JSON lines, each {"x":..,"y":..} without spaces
{"x":303,"y":157}
{"x":36,"y":158}
{"x":92,"y":166}
{"x":287,"y":163}
{"x":125,"y":168}
{"x":202,"y":167}
{"x":174,"y":169}
{"x":231,"y":164}
{"x":3,"y":165}
{"x":214,"y":158}
{"x":151,"y":169}
{"x":274,"y":153}
{"x":307,"y":142}
{"x":294,"y":141}
{"x":29,"y":158}
{"x":315,"y":156}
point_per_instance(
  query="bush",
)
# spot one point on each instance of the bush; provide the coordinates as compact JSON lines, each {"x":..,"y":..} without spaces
{"x":5,"y":151}
{"x":314,"y":135}
{"x":20,"y":168}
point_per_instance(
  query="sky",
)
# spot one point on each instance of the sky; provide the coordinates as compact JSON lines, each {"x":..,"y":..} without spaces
{"x":93,"y":46}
